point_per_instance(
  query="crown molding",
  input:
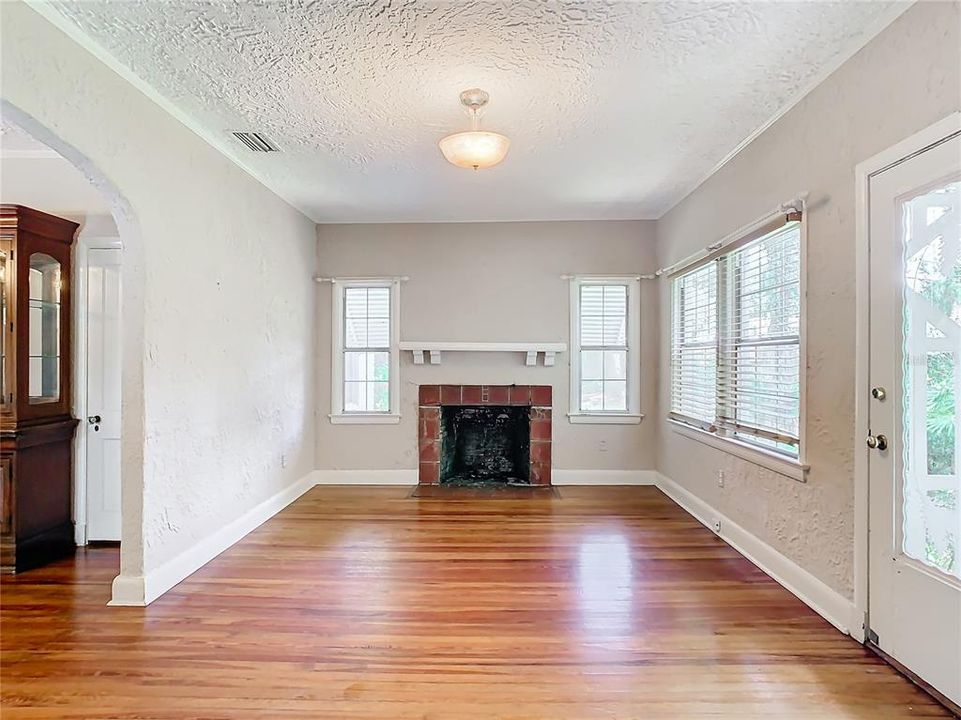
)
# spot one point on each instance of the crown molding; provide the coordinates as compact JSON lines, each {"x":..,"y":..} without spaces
{"x":49,"y":13}
{"x":872,"y":31}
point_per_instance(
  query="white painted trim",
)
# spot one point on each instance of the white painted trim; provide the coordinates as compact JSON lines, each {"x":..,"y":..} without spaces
{"x":485,"y":346}
{"x":81,"y":266}
{"x":921,"y":140}
{"x":435,"y":348}
{"x":127,"y":591}
{"x":559,"y":477}
{"x":633,"y":283}
{"x":873,"y":30}
{"x":603,"y":477}
{"x":146,"y":589}
{"x":337,"y":415}
{"x":803,"y":341}
{"x":222,"y":144}
{"x":366,"y":477}
{"x":364,"y":419}
{"x":604,"y":418}
{"x":770,"y":460}
{"x":826,"y":602}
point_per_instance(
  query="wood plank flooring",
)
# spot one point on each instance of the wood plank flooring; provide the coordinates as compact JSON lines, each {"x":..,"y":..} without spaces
{"x":363,"y":602}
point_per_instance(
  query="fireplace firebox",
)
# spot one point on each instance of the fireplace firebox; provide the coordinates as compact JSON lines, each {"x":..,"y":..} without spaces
{"x":472,"y":434}
{"x":482,"y":444}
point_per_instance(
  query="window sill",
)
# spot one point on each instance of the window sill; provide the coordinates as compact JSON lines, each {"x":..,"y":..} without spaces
{"x":772,"y":461}
{"x":364,"y":419}
{"x":604,"y":418}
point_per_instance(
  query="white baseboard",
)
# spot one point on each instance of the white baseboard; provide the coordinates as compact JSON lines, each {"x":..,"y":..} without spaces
{"x":833,"y":607}
{"x":142,"y":590}
{"x":127,"y":590}
{"x":603,"y":477}
{"x":558,"y":477}
{"x":365,"y":477}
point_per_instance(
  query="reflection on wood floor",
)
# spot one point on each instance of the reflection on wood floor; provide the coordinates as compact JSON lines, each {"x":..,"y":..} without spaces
{"x":363,"y":602}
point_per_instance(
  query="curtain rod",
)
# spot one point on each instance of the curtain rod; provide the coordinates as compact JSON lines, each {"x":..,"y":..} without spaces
{"x":398,"y":278}
{"x":614,"y":277}
{"x":797,"y":204}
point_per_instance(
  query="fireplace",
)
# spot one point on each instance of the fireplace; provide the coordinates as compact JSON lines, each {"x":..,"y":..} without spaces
{"x":484,"y":434}
{"x":485,"y":444}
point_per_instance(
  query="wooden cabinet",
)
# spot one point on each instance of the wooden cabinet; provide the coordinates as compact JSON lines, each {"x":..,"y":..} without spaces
{"x":36,"y":425}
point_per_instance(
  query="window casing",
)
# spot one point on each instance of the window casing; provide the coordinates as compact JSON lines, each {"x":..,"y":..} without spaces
{"x":365,"y":362}
{"x":605,"y":347}
{"x":736,"y":332}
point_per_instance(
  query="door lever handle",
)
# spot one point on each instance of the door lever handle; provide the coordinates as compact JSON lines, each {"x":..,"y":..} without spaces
{"x":877,"y":442}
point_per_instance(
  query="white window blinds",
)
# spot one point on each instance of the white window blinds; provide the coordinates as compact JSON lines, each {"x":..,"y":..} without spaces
{"x":735,"y":361}
{"x":694,"y":347}
{"x":604,"y":352}
{"x":759,"y":344}
{"x":366,"y":349}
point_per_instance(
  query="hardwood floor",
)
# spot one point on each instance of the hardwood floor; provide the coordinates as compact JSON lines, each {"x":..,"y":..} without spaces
{"x":362,"y":602}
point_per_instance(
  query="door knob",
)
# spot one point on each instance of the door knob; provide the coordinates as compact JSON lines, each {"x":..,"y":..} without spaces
{"x":877,"y":442}
{"x":879,"y":393}
{"x":93,"y":419}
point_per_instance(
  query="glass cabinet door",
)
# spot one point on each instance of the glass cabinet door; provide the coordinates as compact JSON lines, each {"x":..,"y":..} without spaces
{"x":43,"y":373}
{"x":5,"y":380}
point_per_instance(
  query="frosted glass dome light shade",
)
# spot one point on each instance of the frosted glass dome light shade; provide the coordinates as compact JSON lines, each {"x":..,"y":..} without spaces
{"x":475,"y":148}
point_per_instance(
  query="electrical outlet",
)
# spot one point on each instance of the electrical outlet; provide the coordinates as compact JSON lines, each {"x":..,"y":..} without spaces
{"x":602,"y":446}
{"x":717,"y":526}
{"x":720,"y":478}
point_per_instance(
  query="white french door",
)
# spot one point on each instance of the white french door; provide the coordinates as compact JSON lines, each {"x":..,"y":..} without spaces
{"x":103,"y":394}
{"x":914,"y":517}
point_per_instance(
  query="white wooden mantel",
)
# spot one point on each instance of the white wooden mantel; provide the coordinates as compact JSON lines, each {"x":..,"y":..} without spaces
{"x":434,"y":350}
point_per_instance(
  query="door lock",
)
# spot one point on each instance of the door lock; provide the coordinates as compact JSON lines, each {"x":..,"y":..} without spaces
{"x":877,"y":442}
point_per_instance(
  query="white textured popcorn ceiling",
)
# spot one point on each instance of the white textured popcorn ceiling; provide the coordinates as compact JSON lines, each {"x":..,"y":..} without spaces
{"x":614,"y":110}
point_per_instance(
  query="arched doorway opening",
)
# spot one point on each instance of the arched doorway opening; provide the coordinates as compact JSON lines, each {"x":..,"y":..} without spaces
{"x":106,"y":352}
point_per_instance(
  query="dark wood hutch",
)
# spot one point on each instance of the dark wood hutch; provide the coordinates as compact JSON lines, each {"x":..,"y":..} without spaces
{"x":36,"y":425}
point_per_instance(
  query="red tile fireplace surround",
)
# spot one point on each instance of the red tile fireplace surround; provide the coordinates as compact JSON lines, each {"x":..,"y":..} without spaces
{"x":433,"y":397}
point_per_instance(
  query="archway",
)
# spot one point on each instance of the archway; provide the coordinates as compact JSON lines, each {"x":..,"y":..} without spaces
{"x":128,"y":587}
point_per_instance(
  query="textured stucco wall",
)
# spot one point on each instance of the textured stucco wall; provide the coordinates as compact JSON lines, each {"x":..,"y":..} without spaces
{"x":218,"y":298}
{"x":491,"y":282}
{"x":905,"y":79}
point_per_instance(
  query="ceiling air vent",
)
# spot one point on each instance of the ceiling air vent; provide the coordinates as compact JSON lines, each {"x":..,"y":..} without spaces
{"x":256,"y":142}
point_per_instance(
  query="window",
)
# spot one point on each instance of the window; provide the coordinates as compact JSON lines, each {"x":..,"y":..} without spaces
{"x":605,"y":340}
{"x":736,"y":340}
{"x":365,"y":359}
{"x":694,"y":346}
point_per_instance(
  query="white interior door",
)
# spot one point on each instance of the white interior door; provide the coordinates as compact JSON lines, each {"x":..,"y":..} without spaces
{"x":914,"y":587}
{"x":103,"y":394}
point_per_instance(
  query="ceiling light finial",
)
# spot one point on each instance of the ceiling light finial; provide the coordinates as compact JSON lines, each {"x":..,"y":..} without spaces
{"x":475,"y":148}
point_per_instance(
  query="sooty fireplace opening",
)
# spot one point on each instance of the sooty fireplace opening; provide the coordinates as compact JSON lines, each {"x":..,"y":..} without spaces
{"x":485,"y":444}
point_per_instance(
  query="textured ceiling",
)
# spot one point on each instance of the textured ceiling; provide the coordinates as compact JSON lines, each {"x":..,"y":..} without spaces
{"x":615,"y":110}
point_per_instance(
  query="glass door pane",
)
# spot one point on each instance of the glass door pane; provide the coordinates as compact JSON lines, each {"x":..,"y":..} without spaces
{"x":4,"y":324}
{"x":931,"y":514}
{"x":43,"y":372}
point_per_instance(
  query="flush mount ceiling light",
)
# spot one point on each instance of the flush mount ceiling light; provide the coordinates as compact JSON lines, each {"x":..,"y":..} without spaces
{"x":475,"y":148}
